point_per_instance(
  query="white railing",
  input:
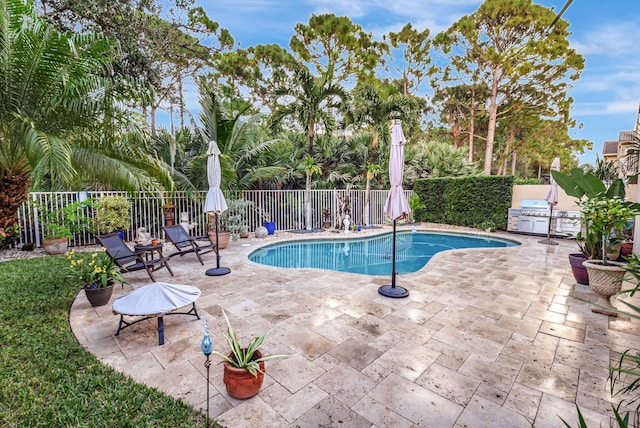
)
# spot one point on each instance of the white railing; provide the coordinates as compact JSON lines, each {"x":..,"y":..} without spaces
{"x":285,"y":207}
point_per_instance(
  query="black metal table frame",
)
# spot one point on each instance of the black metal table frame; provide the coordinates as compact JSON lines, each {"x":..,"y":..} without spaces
{"x":126,"y":324}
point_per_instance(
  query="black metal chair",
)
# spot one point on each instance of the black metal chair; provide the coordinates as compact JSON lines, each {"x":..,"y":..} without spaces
{"x":186,"y":244}
{"x":129,"y":260}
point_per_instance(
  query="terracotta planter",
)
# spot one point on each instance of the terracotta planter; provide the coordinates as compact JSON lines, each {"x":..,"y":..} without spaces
{"x":169,"y":213}
{"x":605,"y":281}
{"x":240,"y":383}
{"x":55,"y":245}
{"x":223,"y":238}
{"x":579,"y":271}
{"x":98,"y":296}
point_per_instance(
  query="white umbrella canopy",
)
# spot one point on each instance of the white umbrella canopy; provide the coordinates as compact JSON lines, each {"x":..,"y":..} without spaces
{"x":215,"y":202}
{"x":552,"y":194}
{"x":397,"y":206}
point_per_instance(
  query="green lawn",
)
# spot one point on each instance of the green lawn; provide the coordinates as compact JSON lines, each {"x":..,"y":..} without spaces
{"x":48,"y":379}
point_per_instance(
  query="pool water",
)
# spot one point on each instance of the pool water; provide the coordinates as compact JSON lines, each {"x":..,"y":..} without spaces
{"x":371,"y":255}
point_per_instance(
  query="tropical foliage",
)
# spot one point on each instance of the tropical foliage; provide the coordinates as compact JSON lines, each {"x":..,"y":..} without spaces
{"x":61,"y":118}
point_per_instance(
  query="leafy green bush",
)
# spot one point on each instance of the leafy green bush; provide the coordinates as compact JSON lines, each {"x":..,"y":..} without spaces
{"x":112,"y":213}
{"x":465,"y":201}
{"x":67,"y":221}
{"x":526,"y":181}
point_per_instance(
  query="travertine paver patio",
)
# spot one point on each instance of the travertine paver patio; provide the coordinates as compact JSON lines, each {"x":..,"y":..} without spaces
{"x":486,"y":338}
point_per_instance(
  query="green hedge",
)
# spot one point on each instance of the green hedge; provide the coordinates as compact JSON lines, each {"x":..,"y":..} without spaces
{"x":481,"y":201}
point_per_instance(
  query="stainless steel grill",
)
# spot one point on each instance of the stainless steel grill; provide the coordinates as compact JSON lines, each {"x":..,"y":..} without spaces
{"x":534,"y":215}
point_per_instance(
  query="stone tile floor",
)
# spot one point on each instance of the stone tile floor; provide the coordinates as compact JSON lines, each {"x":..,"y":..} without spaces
{"x":486,"y":338}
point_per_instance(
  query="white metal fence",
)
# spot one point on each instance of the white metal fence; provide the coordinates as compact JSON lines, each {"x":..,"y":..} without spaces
{"x":285,"y":207}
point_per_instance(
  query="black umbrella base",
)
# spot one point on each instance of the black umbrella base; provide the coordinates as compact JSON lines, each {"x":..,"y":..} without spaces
{"x":391,"y":291}
{"x":218,"y":271}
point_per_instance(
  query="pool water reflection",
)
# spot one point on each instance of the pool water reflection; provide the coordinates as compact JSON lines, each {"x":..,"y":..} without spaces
{"x":370,"y":255}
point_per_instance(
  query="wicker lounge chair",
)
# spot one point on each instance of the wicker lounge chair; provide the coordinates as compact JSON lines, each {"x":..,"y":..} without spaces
{"x":186,"y":244}
{"x":129,"y":260}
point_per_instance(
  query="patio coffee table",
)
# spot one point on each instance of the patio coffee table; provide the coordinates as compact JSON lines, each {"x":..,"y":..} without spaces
{"x":155,"y":300}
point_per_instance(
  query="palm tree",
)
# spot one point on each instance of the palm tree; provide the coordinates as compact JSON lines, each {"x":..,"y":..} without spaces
{"x":311,"y":101}
{"x":310,"y":168}
{"x":375,"y":104}
{"x":58,"y":111}
{"x":242,"y":142}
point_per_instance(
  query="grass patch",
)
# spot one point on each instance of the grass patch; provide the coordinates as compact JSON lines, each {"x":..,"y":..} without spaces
{"x":48,"y":379}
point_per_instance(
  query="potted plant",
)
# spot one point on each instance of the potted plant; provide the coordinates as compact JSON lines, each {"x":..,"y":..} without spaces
{"x":222,"y":237}
{"x":605,"y":218}
{"x":234,"y":219}
{"x":244,"y":366}
{"x":60,"y":225}
{"x":112,"y":214}
{"x":581,"y":185}
{"x":97,"y":272}
{"x":169,"y":213}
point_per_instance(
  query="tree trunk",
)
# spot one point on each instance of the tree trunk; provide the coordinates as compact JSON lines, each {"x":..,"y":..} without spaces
{"x":455,"y":130}
{"x":153,"y":120}
{"x":312,"y":135}
{"x":493,"y":117}
{"x":374,"y":146}
{"x":367,"y":198}
{"x":307,"y":201}
{"x":472,"y":117}
{"x":505,"y":155}
{"x":14,"y":190}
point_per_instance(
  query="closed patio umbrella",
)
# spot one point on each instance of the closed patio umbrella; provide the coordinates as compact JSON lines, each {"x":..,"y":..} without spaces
{"x":396,"y":207}
{"x":552,"y":199}
{"x":215,"y":202}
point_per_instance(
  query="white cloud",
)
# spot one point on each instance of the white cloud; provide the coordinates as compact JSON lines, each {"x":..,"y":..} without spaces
{"x":614,"y":39}
{"x":616,"y":107}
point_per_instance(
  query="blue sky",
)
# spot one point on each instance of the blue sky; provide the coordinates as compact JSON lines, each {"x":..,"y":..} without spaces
{"x":606,"y":33}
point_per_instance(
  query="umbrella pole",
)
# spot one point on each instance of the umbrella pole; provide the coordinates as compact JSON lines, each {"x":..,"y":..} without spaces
{"x":549,"y":241}
{"x":217,"y":271}
{"x":392,"y":290}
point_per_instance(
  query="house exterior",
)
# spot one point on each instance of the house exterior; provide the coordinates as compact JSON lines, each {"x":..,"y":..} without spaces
{"x":618,"y":151}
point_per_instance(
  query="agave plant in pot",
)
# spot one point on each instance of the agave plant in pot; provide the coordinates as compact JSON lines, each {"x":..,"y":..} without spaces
{"x":244,"y":366}
{"x":605,"y":218}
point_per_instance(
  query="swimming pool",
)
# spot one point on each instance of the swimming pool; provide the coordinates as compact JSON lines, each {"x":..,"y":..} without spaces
{"x":370,"y":255}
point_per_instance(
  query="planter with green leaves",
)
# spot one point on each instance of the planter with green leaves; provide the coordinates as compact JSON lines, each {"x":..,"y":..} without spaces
{"x":585,"y":186}
{"x":244,"y":366}
{"x":234,"y":220}
{"x":60,"y":225}
{"x":97,"y":273}
{"x":606,"y":217}
{"x":112,"y":214}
